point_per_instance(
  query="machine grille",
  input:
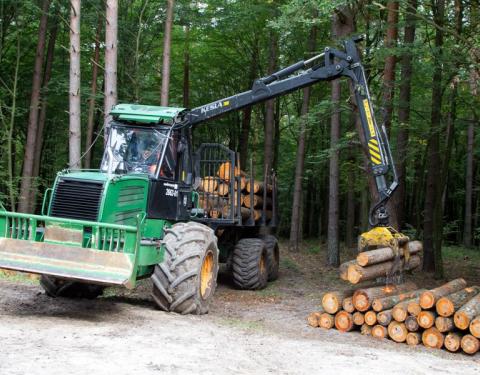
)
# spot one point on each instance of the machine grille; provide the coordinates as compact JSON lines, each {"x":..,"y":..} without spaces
{"x":77,"y":199}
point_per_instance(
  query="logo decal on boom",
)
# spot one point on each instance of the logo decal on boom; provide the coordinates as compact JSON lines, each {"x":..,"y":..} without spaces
{"x":213,"y":106}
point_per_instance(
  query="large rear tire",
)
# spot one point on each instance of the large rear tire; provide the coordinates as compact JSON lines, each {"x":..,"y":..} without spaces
{"x":249,"y":266}
{"x":273,"y":256}
{"x":69,"y":289}
{"x":187,"y":278}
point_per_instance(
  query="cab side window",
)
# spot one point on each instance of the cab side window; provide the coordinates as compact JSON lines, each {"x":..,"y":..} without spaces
{"x":169,"y":165}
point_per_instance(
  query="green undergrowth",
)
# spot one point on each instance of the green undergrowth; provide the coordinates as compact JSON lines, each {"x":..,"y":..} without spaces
{"x":18,"y":277}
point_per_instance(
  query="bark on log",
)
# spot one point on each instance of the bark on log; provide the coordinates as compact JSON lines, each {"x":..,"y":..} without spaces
{"x":313,"y":319}
{"x":371,"y":318}
{"x":444,"y":324}
{"x":413,"y":338}
{"x":343,"y":321}
{"x":363,"y":298}
{"x":245,"y":212}
{"x":446,"y":306}
{"x":384,"y":317}
{"x":358,"y":273}
{"x":475,"y":327}
{"x":326,"y":321}
{"x":367,"y":258}
{"x":426,"y":319}
{"x":347,"y":305}
{"x":430,"y":297}
{"x":359,"y":318}
{"x":380,"y":304}
{"x":411,"y":323}
{"x":225,"y":170}
{"x":400,"y":311}
{"x":413,"y":308}
{"x":366,"y":330}
{"x":379,"y":332}
{"x":467,"y":312}
{"x":257,"y":187}
{"x":332,"y":301}
{"x":397,"y":331}
{"x":256,"y":201}
{"x":470,"y":344}
{"x":343,"y":269}
{"x":432,"y":338}
{"x":452,"y":341}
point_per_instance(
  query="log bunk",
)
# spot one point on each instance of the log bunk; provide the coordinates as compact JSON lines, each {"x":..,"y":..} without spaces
{"x":445,"y":317}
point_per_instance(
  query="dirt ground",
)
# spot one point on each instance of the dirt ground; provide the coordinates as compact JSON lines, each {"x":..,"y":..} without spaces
{"x":244,"y":333}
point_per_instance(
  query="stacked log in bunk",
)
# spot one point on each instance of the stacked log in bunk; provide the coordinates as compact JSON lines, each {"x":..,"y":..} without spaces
{"x":445,"y":317}
{"x":216,"y":200}
{"x":370,"y":265}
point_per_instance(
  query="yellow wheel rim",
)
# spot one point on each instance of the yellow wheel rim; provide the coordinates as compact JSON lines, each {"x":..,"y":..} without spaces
{"x":206,"y":275}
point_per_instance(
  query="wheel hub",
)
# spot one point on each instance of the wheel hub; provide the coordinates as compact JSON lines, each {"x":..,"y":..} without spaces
{"x":206,"y":275}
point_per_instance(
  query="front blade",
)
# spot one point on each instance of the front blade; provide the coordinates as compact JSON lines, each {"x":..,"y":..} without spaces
{"x":67,"y":262}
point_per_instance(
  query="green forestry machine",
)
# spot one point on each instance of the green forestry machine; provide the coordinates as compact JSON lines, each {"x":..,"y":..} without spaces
{"x":143,"y":213}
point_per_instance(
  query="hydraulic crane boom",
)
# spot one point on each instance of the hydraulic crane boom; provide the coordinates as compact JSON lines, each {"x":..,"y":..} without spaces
{"x":329,"y":65}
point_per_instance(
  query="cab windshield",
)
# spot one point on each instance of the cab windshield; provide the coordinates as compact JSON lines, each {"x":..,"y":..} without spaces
{"x":134,"y":150}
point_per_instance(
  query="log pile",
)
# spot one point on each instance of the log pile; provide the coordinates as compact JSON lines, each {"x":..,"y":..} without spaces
{"x":216,"y":200}
{"x":372,"y":264}
{"x":445,"y":317}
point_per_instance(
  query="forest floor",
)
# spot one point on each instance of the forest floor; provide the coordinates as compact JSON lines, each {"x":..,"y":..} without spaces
{"x":244,"y":333}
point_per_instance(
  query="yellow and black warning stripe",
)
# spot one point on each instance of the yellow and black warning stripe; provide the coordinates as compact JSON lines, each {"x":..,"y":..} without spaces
{"x":374,"y":150}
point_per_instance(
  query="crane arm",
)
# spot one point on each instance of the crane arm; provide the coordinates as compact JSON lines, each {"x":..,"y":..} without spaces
{"x":329,"y":65}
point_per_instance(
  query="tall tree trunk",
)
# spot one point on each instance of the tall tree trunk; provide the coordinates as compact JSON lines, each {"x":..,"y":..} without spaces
{"x":75,"y":137}
{"x":276,"y":146}
{"x":93,"y":93}
{"x":432,"y":255}
{"x":186,"y":69}
{"x":270,"y":107}
{"x":404,"y":113}
{"x":342,"y":25}
{"x":296,"y":222}
{"x":467,"y":231}
{"x":111,"y":35}
{"x":167,"y":43}
{"x":43,"y":112}
{"x":29,"y":156}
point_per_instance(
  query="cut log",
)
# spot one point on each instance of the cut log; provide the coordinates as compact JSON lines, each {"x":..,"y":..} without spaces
{"x":467,"y":312}
{"x":358,"y":318}
{"x":256,"y":201}
{"x":432,"y":338}
{"x":343,"y":321}
{"x":444,"y":324}
{"x":215,"y":214}
{"x":397,"y":331}
{"x":380,"y":304}
{"x":452,"y":341}
{"x":242,"y":185}
{"x":225,"y":171}
{"x":426,"y":319}
{"x":347,"y":305}
{"x":371,"y":318}
{"x":367,"y":258}
{"x":411,"y":323}
{"x":384,"y":317}
{"x":413,"y":338}
{"x":475,"y":327}
{"x":366,"y":330}
{"x":400,"y":310}
{"x":245,"y":212}
{"x":223,"y":189}
{"x":332,"y":301}
{"x":343,"y":269}
{"x":430,"y":297}
{"x":363,"y":298}
{"x":208,"y":184}
{"x":470,"y":344}
{"x":356,"y":273}
{"x":257,"y":187}
{"x":313,"y":319}
{"x":413,"y":307}
{"x":379,"y":332}
{"x":211,"y":202}
{"x":326,"y":321}
{"x":446,"y":306}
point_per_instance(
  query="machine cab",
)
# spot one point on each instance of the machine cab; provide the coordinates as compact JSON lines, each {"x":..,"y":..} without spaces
{"x":144,"y":140}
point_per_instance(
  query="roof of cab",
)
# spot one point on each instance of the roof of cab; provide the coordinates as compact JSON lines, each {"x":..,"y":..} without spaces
{"x":144,"y":113}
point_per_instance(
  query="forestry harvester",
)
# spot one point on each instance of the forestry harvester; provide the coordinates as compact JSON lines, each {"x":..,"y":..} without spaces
{"x":149,"y":211}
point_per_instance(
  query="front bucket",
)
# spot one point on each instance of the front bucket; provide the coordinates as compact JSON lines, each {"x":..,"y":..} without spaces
{"x":67,"y":262}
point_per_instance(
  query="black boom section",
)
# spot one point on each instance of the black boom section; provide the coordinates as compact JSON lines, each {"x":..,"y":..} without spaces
{"x":77,"y":199}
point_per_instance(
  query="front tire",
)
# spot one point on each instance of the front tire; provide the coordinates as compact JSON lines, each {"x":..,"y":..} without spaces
{"x":69,"y":289}
{"x":187,"y":278}
{"x":273,"y":256}
{"x":249,"y":266}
